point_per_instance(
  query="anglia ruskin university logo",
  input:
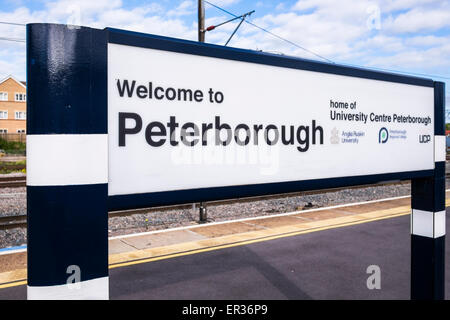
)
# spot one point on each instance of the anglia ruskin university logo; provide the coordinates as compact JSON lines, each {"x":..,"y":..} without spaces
{"x":383,"y":135}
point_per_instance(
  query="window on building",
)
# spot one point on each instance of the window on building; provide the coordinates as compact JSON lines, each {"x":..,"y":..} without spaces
{"x":3,"y":96}
{"x":3,"y":130}
{"x":20,"y":115}
{"x":21,"y":131}
{"x":21,"y":97}
{"x":3,"y":114}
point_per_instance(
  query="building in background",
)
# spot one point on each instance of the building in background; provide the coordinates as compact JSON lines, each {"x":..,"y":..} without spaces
{"x":13,"y":106}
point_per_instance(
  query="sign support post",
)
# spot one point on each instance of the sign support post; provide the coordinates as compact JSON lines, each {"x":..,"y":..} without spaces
{"x":67,"y":163}
{"x":428,"y":216}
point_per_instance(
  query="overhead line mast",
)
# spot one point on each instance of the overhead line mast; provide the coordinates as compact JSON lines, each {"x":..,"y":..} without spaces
{"x":201,"y":21}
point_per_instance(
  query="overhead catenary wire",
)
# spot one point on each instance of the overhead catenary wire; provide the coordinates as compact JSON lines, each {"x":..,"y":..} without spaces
{"x":322,"y":57}
{"x":397,"y":71}
{"x":12,"y":39}
{"x":13,"y":23}
{"x":273,"y":34}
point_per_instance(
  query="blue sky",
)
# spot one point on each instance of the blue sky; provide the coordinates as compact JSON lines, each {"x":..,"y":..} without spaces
{"x":403,"y":35}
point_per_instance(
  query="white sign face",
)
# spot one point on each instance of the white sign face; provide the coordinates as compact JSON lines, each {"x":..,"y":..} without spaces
{"x":179,"y":121}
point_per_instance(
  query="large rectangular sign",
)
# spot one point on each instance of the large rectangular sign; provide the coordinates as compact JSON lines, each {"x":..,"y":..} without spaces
{"x":179,"y":121}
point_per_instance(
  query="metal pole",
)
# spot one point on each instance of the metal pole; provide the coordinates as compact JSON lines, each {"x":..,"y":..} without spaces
{"x":203,"y":213}
{"x":201,"y":38}
{"x":201,"y":21}
{"x":242,"y":20}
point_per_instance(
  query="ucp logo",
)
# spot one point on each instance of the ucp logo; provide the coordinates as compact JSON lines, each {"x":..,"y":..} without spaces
{"x":383,"y":135}
{"x":424,"y":138}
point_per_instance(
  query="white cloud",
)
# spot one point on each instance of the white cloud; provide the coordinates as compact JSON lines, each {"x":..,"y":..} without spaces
{"x":387,"y":43}
{"x":400,"y":5}
{"x":184,"y":8}
{"x":119,"y":17}
{"x":430,"y":60}
{"x":334,"y":29}
{"x":149,"y":18}
{"x":418,"y":20}
{"x":281,"y":6}
{"x":426,"y":41}
{"x":12,"y":61}
{"x":222,"y":3}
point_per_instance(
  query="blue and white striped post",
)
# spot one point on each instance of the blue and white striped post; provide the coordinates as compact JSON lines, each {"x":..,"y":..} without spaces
{"x":67,"y":163}
{"x":428,"y":216}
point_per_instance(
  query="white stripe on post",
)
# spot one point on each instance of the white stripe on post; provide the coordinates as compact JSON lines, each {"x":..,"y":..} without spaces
{"x":67,"y":159}
{"x":95,"y":289}
{"x":428,"y":224}
{"x":439,"y":148}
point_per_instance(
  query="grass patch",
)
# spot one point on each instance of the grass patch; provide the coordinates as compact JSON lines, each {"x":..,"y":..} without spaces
{"x":12,"y":147}
{"x":14,"y":166}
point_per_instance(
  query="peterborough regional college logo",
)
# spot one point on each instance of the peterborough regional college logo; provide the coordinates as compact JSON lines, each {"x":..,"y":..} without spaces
{"x":383,"y":135}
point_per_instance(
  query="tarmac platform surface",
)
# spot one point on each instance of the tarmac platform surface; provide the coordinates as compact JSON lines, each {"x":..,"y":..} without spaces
{"x":314,"y":254}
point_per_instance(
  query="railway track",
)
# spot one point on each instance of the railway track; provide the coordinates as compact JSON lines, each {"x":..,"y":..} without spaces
{"x":11,"y":222}
{"x":12,"y":182}
{"x":16,"y":182}
{"x":20,"y":221}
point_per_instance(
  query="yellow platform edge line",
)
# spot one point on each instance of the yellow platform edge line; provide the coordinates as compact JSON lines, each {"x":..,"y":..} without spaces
{"x":250,"y":241}
{"x":13,"y":284}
